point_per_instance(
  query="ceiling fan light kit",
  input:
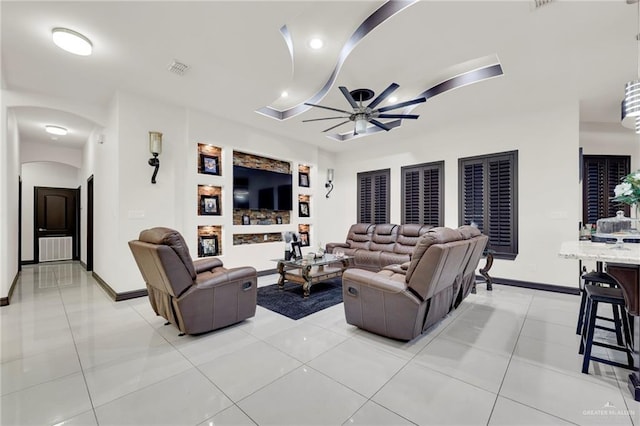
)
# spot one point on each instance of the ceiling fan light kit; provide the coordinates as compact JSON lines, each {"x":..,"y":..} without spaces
{"x":362,"y":115}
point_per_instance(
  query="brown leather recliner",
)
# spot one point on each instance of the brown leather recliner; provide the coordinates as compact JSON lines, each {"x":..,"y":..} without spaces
{"x":195,"y":296}
{"x":403,"y":301}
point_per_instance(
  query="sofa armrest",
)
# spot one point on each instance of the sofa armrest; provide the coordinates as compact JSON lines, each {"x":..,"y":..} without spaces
{"x":397,"y":269}
{"x":332,"y":246}
{"x":378,"y":281}
{"x":208,"y":264}
{"x":223,"y":276}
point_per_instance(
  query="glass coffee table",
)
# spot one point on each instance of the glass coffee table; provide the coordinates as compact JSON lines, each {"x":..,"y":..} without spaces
{"x":311,"y":271}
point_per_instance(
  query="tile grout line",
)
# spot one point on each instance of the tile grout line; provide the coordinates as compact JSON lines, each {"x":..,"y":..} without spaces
{"x":75,"y":346}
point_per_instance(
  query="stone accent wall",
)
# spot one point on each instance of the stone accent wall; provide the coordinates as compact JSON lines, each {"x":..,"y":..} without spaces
{"x":239,"y":239}
{"x":209,"y":150}
{"x":261,"y":217}
{"x":261,"y":163}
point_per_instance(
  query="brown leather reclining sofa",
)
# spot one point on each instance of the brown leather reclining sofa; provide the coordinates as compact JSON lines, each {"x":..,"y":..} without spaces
{"x":195,"y":296}
{"x":376,"y":246}
{"x":403,"y":301}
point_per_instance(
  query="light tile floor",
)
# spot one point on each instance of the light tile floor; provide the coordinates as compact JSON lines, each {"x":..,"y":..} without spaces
{"x":71,"y":356}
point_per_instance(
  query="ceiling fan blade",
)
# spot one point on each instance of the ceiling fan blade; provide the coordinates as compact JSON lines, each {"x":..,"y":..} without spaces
{"x":402,"y":104}
{"x":382,"y":96}
{"x":408,"y":116}
{"x":379,"y":124}
{"x":337,"y":125}
{"x":320,"y":119}
{"x":347,"y":95}
{"x":329,"y":108}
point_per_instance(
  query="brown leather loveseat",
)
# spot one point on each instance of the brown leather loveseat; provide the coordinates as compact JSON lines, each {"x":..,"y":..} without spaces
{"x":403,"y":301}
{"x":195,"y":296}
{"x":376,"y":246}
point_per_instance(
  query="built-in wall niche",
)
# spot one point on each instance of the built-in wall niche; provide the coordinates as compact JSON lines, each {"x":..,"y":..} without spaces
{"x":209,"y":200}
{"x":304,"y":205}
{"x":209,"y":159}
{"x":305,"y":234}
{"x":262,"y":190}
{"x":270,"y":237}
{"x":303,"y":176}
{"x":261,"y":217}
{"x":209,"y":241}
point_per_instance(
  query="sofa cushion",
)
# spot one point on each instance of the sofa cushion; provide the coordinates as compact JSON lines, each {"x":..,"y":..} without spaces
{"x":384,"y":237}
{"x":408,"y":237}
{"x":359,"y":236}
{"x":173,"y":239}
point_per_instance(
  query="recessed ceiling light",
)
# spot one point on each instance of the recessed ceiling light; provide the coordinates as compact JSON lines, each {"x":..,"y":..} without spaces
{"x":72,"y":41}
{"x":284,"y":94}
{"x":316,"y":43}
{"x":392,"y":99}
{"x":55,"y":130}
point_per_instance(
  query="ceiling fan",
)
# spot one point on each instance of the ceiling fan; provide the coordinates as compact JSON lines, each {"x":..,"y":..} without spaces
{"x":362,"y":114}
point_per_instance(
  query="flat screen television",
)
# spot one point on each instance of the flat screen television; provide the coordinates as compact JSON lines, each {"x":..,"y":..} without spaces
{"x":261,"y":189}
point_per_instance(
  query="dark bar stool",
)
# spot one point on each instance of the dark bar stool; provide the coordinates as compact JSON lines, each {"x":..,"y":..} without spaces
{"x":600,"y":278}
{"x":596,"y":295}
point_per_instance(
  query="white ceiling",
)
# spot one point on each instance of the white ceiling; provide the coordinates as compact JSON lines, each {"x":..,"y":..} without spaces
{"x":582,"y":51}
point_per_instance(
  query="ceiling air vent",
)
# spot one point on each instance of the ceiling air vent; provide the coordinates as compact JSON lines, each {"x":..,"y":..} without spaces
{"x":539,"y":3}
{"x":178,"y":67}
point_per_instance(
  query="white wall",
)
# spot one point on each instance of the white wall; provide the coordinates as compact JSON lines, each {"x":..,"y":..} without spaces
{"x":49,"y":174}
{"x":9,"y":177}
{"x":31,"y":152}
{"x":547,"y":144}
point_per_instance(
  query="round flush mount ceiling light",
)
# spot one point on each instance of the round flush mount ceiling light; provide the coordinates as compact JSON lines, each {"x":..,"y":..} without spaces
{"x":316,"y":43}
{"x":72,"y":41}
{"x":55,"y":130}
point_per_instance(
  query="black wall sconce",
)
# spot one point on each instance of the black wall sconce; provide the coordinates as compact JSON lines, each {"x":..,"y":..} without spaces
{"x":329,"y":184}
{"x":155,"y":147}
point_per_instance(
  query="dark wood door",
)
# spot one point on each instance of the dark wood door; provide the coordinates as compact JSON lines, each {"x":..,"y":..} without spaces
{"x":90,"y":224}
{"x":56,"y":215}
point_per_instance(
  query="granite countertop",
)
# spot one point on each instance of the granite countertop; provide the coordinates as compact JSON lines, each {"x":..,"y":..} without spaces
{"x":587,"y":250}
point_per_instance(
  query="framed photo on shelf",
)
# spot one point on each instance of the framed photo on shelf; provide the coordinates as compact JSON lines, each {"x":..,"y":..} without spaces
{"x":303,"y":179}
{"x":304,"y":209}
{"x":246,"y":220}
{"x":210,"y":164}
{"x":304,"y":239}
{"x":278,"y":220}
{"x":210,"y":205}
{"x":296,"y":250}
{"x":208,"y":246}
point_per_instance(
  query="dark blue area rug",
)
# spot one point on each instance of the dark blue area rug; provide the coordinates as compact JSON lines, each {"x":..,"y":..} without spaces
{"x":290,"y":303}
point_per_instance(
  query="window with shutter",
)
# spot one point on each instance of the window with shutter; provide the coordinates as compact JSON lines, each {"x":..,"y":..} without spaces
{"x":488,"y":194}
{"x":422,"y":194}
{"x":601,"y":174}
{"x":373,"y":196}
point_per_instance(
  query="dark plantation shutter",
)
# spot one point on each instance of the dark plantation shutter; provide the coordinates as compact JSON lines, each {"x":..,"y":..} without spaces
{"x":373,"y":196}
{"x":381,"y":199}
{"x":431,"y":197}
{"x":617,"y":169}
{"x":601,"y":175}
{"x":364,"y":199}
{"x":488,"y":194}
{"x":473,"y":195}
{"x":500,"y":215}
{"x":411,"y":194}
{"x":422,"y":189}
